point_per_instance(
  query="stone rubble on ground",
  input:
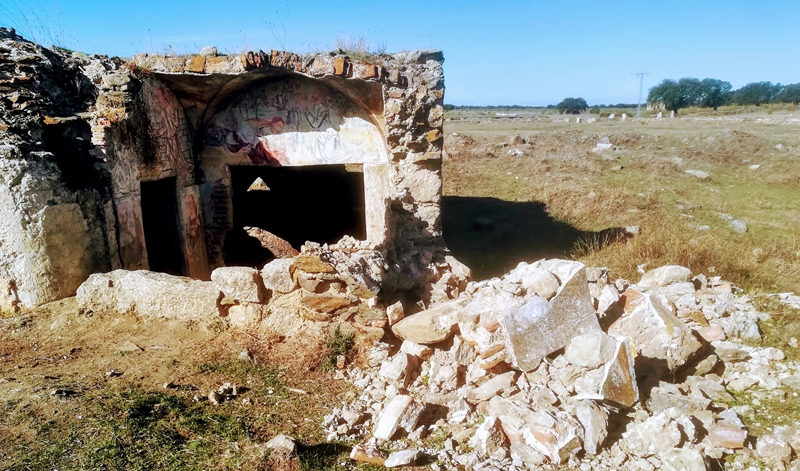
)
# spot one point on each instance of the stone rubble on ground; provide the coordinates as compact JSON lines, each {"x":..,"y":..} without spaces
{"x":555,"y":365}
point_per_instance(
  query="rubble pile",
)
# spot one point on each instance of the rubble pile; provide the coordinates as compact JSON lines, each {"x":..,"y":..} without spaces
{"x":555,"y":365}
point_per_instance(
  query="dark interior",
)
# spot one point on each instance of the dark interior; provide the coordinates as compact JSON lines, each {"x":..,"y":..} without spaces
{"x":162,"y":230}
{"x":319,"y":203}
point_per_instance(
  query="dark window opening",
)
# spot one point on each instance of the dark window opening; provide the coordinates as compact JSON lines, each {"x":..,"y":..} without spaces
{"x":319,"y":203}
{"x":70,"y":142}
{"x":162,"y":228}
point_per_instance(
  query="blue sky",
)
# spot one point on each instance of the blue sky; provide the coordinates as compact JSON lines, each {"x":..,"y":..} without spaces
{"x":512,"y":52}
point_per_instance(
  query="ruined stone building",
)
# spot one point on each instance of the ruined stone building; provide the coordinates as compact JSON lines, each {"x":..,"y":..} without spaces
{"x":159,"y":162}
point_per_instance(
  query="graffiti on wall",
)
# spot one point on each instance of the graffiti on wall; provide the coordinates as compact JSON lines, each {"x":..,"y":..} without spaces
{"x":196,"y":257}
{"x":295,"y":121}
{"x":168,"y":132}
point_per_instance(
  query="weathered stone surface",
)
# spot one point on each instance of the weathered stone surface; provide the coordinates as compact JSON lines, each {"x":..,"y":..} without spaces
{"x":790,"y":434}
{"x":661,"y":339}
{"x":246,"y":315}
{"x":682,"y":459}
{"x":664,"y":276}
{"x":726,"y":436}
{"x":534,"y":279}
{"x":699,"y":174}
{"x":389,"y":418}
{"x":489,"y":440}
{"x":279,"y":247}
{"x":395,"y":313}
{"x":430,"y":326}
{"x":729,"y":352}
{"x":528,"y":455}
{"x":540,"y":327}
{"x":402,"y":458}
{"x":773,"y":451}
{"x":591,"y":349}
{"x":282,"y":444}
{"x":655,"y":435}
{"x":312,"y":264}
{"x":208,"y":51}
{"x":277,"y":275}
{"x":366,"y":454}
{"x":492,"y":388}
{"x":239,"y":283}
{"x":149,"y":295}
{"x":324,"y":302}
{"x":398,"y":369}
{"x":595,"y":426}
{"x":619,"y":378}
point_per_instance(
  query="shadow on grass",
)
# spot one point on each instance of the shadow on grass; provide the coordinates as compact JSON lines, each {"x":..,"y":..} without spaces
{"x":492,"y":236}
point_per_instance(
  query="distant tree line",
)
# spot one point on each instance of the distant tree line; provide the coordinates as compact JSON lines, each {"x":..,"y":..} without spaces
{"x":713,"y":93}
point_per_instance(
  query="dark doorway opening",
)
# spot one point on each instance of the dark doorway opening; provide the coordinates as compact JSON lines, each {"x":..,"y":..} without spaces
{"x":162,"y":229}
{"x":319,"y":203}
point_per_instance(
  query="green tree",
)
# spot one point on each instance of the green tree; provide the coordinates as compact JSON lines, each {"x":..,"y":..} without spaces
{"x":757,"y":93}
{"x":670,"y":94}
{"x":572,"y":105}
{"x":790,"y":94}
{"x":714,"y":93}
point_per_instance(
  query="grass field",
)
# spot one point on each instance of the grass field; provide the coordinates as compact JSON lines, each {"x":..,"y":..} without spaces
{"x":751,"y":161}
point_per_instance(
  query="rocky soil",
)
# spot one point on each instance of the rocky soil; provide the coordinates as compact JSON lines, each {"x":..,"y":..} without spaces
{"x":554,"y":365}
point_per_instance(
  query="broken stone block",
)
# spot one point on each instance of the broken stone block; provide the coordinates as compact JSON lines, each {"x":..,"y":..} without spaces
{"x":367,"y":454}
{"x":661,"y":400}
{"x":389,"y":418}
{"x":395,"y":313}
{"x":664,"y":276}
{"x":277,"y":275}
{"x":654,"y":436}
{"x":682,"y":459}
{"x":595,"y":426}
{"x":399,"y":369}
{"x":790,"y":434}
{"x":489,"y":440}
{"x":402,"y":458}
{"x":726,"y":436}
{"x":149,"y":295}
{"x":607,"y":298}
{"x":311,"y":264}
{"x":591,"y":349}
{"x":527,"y":455}
{"x":539,"y":327}
{"x":557,"y":441}
{"x":246,"y":315}
{"x":283,"y":445}
{"x":430,"y":326}
{"x":324,"y":302}
{"x":493,"y":387}
{"x":619,"y":378}
{"x":534,"y":279}
{"x":417,"y":350}
{"x":729,"y":352}
{"x":773,"y":451}
{"x":459,"y":270}
{"x":239,"y":283}
{"x":662,"y":341}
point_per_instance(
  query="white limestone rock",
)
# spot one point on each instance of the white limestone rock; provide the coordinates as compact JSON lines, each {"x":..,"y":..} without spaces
{"x":664,"y":276}
{"x":239,"y":283}
{"x":662,"y":341}
{"x":277,"y":275}
{"x":541,"y":327}
{"x":430,"y":326}
{"x":149,"y":295}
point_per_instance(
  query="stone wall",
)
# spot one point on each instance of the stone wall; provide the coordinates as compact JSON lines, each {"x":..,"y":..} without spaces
{"x":81,"y":133}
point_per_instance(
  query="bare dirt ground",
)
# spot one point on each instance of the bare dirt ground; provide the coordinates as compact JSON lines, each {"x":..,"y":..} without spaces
{"x":81,"y":391}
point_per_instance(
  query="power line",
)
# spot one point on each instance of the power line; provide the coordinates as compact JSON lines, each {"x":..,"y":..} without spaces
{"x":641,"y":76}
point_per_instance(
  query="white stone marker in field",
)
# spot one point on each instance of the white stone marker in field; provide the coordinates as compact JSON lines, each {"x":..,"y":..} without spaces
{"x":624,"y":116}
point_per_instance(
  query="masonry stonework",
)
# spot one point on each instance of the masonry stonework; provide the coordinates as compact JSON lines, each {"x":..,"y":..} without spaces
{"x":81,"y":136}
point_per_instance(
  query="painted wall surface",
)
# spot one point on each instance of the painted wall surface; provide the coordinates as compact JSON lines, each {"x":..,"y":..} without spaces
{"x":169,"y":135}
{"x":293,"y":121}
